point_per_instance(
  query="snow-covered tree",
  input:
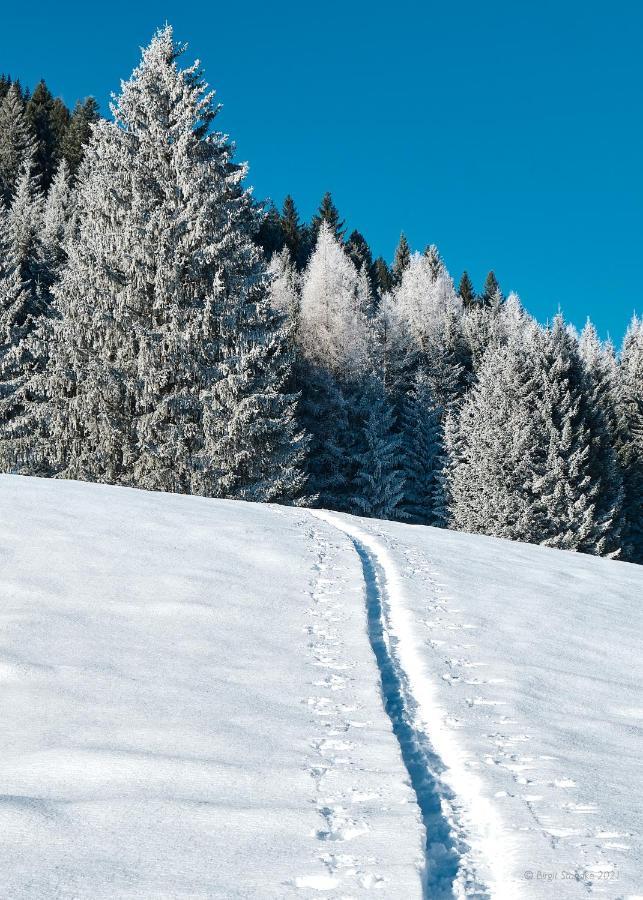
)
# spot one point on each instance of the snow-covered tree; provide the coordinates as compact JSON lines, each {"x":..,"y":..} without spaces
{"x":56,"y":216}
{"x":571,"y":488}
{"x":607,"y":429}
{"x":630,"y":442}
{"x":167,"y":362}
{"x":17,"y":142}
{"x":495,"y":449}
{"x":334,"y":332}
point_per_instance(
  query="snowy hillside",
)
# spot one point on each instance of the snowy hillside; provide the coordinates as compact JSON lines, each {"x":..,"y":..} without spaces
{"x":210,"y":699}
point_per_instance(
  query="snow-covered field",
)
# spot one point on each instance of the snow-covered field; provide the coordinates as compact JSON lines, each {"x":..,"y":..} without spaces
{"x":209,"y":699}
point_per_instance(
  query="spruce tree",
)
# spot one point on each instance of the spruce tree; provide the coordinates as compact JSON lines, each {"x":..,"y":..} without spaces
{"x":630,"y":440}
{"x":78,"y":133}
{"x":168,"y":360}
{"x":295,"y":234}
{"x":49,"y":120}
{"x":17,"y":142}
{"x":466,"y":291}
{"x":491,"y":290}
{"x":495,"y":449}
{"x":377,"y":483}
{"x":436,"y":263}
{"x":607,"y":428}
{"x":571,"y":487}
{"x":383,"y":280}
{"x":329,"y":214}
{"x":401,"y":260}
{"x":421,"y":452}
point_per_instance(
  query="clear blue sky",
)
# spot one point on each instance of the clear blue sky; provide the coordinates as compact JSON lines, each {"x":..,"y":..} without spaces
{"x":509,"y":133}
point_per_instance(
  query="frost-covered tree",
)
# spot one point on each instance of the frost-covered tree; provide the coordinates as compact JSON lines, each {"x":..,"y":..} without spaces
{"x":436,"y":263}
{"x":17,"y":142}
{"x":607,"y":429}
{"x":333,"y":329}
{"x":571,"y":488}
{"x":421,"y":320}
{"x":495,"y":449}
{"x":169,"y":360}
{"x":58,"y":209}
{"x":630,"y":441}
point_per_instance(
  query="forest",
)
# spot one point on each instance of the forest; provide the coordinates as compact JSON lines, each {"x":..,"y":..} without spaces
{"x":160,"y":328}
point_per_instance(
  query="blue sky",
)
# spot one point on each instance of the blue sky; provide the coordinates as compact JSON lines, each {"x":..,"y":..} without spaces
{"x":508,"y":133}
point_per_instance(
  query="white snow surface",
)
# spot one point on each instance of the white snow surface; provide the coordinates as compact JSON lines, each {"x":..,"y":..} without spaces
{"x":210,"y":699}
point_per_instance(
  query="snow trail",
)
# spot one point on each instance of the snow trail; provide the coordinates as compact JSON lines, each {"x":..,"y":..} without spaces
{"x":448,"y":794}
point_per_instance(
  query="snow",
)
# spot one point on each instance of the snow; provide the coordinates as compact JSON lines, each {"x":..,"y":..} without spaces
{"x":213,"y":699}
{"x":524,"y":666}
{"x":190,"y":704}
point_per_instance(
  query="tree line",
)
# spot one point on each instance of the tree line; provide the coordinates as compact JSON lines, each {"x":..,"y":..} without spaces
{"x":160,"y":328}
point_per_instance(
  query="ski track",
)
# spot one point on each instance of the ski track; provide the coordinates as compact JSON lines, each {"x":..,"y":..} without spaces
{"x":449,"y":870}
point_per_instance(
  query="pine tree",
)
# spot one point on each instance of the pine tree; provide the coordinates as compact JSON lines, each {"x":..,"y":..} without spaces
{"x":17,"y":142}
{"x":466,"y":291}
{"x":329,"y":214}
{"x":401,"y":260}
{"x":169,"y":359}
{"x":630,"y":440}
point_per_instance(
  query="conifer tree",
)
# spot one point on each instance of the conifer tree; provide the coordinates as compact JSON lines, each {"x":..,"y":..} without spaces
{"x":495,"y":450}
{"x":377,"y":481}
{"x":607,"y":428}
{"x":630,"y":440}
{"x":491,"y":290}
{"x":401,"y":260}
{"x":49,"y":119}
{"x":383,"y":280}
{"x":17,"y":142}
{"x":436,"y":263}
{"x":169,"y":360}
{"x":421,"y":451}
{"x":78,"y":133}
{"x":295,"y":234}
{"x":570,"y":487}
{"x":466,"y":291}
{"x":329,"y":214}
